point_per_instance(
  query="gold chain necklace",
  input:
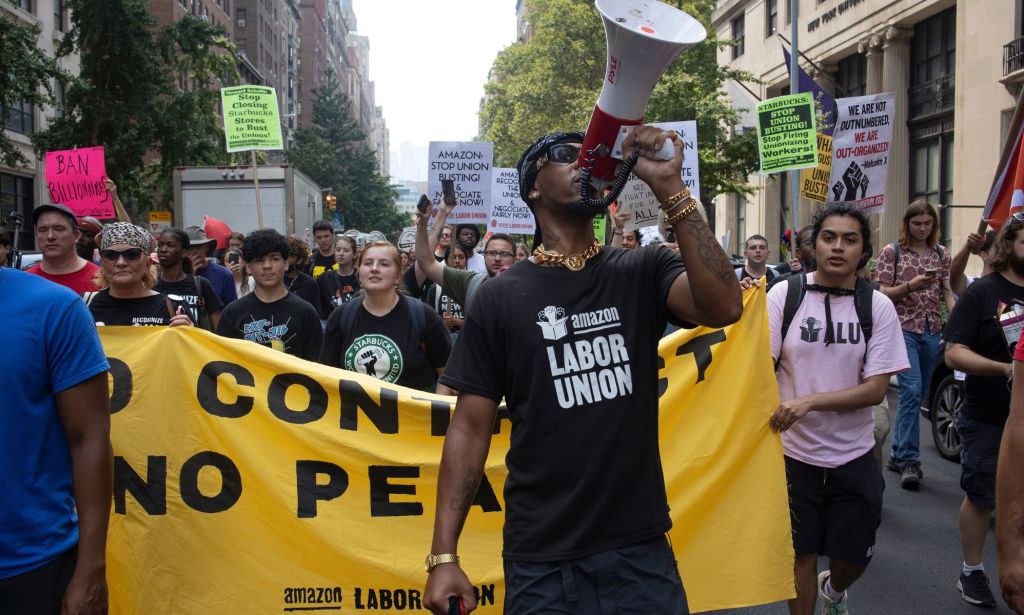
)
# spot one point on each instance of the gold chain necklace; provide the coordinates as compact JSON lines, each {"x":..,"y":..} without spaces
{"x":573,"y":262}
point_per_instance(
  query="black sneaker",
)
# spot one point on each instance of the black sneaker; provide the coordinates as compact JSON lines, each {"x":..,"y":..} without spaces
{"x":974,"y":589}
{"x":893,"y":465}
{"x":912,"y":475}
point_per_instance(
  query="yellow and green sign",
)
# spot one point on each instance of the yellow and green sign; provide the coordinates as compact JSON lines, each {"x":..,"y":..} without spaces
{"x":251,"y":118}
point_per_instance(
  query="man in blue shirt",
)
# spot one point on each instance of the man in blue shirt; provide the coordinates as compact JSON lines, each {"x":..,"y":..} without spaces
{"x":56,"y":464}
{"x":217,"y":275}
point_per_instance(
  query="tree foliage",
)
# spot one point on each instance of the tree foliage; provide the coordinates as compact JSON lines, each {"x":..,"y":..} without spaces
{"x":127,"y":96}
{"x":332,"y":152}
{"x":27,"y":76}
{"x":552,"y":81}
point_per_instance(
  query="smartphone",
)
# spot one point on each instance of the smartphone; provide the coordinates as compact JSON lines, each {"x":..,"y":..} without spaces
{"x":424,"y":204}
{"x":448,"y":190}
{"x":455,"y":606}
{"x":931,"y":271}
{"x":234,"y":258}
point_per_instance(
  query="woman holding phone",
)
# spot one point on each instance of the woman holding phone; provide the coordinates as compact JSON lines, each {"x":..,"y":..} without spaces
{"x":126,"y":280}
{"x":236,"y":264}
{"x":386,"y":334}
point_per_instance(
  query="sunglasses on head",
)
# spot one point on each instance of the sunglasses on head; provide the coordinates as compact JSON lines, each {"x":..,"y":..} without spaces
{"x":1017,"y":218}
{"x":563,"y":152}
{"x":130,"y":255}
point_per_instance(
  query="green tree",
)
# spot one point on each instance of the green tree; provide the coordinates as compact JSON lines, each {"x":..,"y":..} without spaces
{"x":27,"y":76}
{"x":552,"y":81}
{"x":127,"y":96}
{"x":332,"y":152}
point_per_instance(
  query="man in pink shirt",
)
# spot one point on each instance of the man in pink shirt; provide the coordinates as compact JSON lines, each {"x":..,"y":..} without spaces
{"x":832,"y":369}
{"x":56,"y":235}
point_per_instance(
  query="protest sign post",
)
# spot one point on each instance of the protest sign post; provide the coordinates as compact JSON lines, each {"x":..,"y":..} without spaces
{"x":509,"y":214}
{"x":637,"y":198}
{"x":76,"y":178}
{"x":468,"y":164}
{"x":251,"y":122}
{"x":860,"y":151}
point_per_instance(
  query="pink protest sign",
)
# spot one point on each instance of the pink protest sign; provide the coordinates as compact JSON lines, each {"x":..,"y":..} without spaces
{"x":75,"y":178}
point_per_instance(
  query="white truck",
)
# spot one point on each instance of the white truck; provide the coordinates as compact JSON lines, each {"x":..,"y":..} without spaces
{"x":291,"y":201}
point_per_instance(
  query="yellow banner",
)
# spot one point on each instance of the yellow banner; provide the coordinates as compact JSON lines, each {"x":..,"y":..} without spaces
{"x":814,"y":182}
{"x":249,"y":481}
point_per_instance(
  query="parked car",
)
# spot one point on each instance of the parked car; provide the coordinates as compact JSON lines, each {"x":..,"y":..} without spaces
{"x":29,"y":259}
{"x":943,"y":400}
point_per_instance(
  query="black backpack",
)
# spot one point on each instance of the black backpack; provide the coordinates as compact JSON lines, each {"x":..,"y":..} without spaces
{"x":863,"y":291}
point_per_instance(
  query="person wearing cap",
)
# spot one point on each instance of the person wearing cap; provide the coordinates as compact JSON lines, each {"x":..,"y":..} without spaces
{"x":127,"y":297}
{"x":219,"y":276}
{"x":88,"y":228}
{"x":57,"y":234}
{"x":569,"y":339}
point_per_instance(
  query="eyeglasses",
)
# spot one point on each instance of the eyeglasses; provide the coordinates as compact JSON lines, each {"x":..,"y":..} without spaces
{"x":498,"y":254}
{"x":564,"y":153}
{"x":130,"y":255}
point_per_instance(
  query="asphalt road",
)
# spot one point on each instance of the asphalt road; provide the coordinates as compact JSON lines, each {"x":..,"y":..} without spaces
{"x":917,"y":554}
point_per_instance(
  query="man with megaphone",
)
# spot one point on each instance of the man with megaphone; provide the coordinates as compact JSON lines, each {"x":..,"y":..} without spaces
{"x":569,"y":338}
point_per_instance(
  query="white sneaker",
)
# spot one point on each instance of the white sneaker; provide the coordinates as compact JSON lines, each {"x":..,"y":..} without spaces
{"x":828,"y":606}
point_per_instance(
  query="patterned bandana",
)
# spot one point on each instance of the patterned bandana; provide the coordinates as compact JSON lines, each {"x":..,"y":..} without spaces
{"x":126,"y":233}
{"x":528,"y":167}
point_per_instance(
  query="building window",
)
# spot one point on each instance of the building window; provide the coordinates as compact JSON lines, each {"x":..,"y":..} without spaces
{"x":16,"y":196}
{"x":58,"y":15}
{"x":240,"y":20}
{"x":25,"y":5}
{"x":737,"y":35}
{"x":771,"y":8}
{"x":931,"y":177}
{"x":932,"y":65}
{"x":852,"y":76}
{"x":58,"y":95}
{"x":20,"y":118}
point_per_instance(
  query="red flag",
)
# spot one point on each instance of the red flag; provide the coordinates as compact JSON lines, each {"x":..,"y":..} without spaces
{"x":1007,"y":194}
{"x":217,"y":229}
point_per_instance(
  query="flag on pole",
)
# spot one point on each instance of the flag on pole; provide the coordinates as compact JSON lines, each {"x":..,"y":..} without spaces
{"x":821,"y":97}
{"x":1007,"y":194}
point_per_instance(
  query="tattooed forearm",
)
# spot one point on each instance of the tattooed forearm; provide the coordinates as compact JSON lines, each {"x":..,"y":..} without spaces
{"x":711,"y":254}
{"x":465,"y":493}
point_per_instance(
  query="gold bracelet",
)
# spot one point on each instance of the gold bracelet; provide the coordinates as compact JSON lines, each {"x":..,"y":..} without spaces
{"x":675,"y":198}
{"x":689,"y":209}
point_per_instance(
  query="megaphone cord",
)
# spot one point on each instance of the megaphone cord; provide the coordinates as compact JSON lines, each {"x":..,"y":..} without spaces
{"x":614,"y":190}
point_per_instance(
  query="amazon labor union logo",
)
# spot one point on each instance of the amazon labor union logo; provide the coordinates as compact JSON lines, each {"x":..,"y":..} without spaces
{"x":375,"y":355}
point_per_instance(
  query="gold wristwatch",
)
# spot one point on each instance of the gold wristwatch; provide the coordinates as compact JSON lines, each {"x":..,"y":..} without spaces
{"x":433,"y":561}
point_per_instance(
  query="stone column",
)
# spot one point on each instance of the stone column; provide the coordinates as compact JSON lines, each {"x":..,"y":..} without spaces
{"x":871,"y":47}
{"x":896,"y":79}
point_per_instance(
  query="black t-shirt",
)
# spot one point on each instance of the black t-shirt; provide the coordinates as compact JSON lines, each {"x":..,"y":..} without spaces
{"x":770,"y":274}
{"x":442,"y":304}
{"x":320,"y":263}
{"x":186,"y":289}
{"x":305,"y":288}
{"x":148,"y":311}
{"x":289,"y":324}
{"x":387,"y":347}
{"x":409,"y":281}
{"x":575,"y":356}
{"x":973,"y":324}
{"x":336,"y":289}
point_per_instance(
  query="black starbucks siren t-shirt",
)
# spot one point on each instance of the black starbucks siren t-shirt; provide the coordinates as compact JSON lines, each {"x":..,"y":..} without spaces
{"x":148,"y":311}
{"x":387,"y":347}
{"x":289,"y":324}
{"x":973,"y":324}
{"x":186,"y":289}
{"x":575,"y":356}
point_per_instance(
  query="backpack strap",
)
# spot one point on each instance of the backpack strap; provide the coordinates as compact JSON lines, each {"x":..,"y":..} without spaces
{"x":88,"y":296}
{"x":419,"y":326}
{"x":895,"y":261}
{"x":863,"y":294}
{"x":795,"y":291}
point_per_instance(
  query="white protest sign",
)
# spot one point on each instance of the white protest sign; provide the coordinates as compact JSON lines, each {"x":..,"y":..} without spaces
{"x":407,"y":239}
{"x":860,"y":151}
{"x":468,"y":164}
{"x":637,"y":198}
{"x":509,"y":214}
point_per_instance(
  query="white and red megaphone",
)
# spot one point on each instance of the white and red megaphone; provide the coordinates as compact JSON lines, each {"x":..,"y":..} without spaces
{"x":644,"y":37}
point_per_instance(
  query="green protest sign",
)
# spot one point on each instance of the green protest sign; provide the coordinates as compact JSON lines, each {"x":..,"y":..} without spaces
{"x":786,"y":133}
{"x":251,"y":119}
{"x":599,"y":228}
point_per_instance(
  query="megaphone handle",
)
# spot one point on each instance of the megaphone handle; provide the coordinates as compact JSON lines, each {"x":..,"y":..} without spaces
{"x":667,"y":151}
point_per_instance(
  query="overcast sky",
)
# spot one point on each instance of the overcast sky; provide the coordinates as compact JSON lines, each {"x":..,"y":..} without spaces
{"x":429,"y":61}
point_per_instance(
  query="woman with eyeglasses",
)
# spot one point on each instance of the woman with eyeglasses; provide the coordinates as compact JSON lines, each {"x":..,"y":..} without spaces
{"x":126,"y":278}
{"x":385,"y":333}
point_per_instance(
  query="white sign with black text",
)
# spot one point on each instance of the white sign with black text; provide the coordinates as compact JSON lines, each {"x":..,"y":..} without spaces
{"x":638,"y":200}
{"x":468,"y":164}
{"x":509,"y":214}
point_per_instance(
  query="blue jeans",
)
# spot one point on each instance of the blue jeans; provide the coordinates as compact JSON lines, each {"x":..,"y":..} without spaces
{"x":922,"y":350}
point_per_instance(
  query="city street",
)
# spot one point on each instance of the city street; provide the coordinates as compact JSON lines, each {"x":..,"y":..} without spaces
{"x":917,"y":555}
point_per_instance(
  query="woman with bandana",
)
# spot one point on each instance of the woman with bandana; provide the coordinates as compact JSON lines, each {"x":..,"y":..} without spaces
{"x":127,"y":297}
